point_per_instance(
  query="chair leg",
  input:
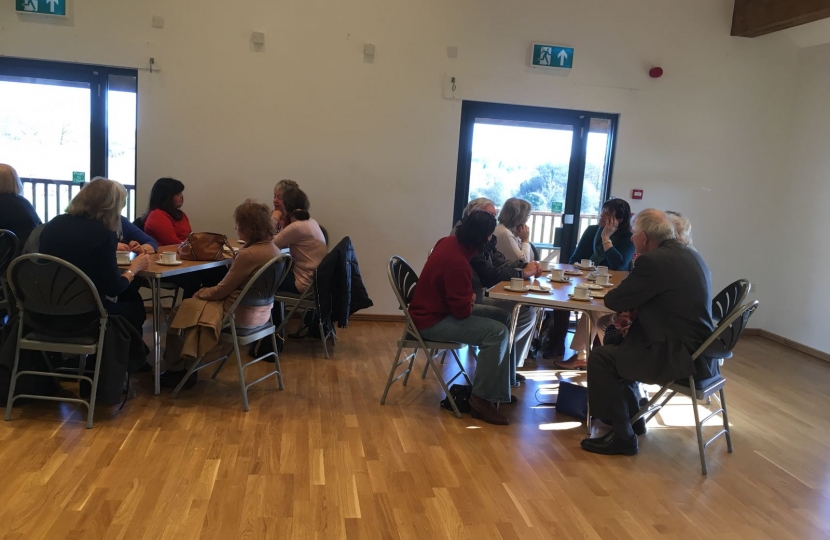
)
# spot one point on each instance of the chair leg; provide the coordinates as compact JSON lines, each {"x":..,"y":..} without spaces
{"x":323,"y":336}
{"x":93,"y":393}
{"x":725,"y":421}
{"x":698,"y":427}
{"x":443,"y":384}
{"x":219,"y":367}
{"x":432,"y":355}
{"x":411,"y":365}
{"x":241,"y":371}
{"x":10,"y":400}
{"x":187,"y":375}
{"x":460,"y":365}
{"x":392,"y":373}
{"x":277,"y":368}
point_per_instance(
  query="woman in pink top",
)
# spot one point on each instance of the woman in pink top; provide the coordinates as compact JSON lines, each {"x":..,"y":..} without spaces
{"x":304,"y":239}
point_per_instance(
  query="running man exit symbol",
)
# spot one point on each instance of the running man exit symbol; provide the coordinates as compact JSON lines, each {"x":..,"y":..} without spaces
{"x":552,"y":56}
{"x":43,"y":7}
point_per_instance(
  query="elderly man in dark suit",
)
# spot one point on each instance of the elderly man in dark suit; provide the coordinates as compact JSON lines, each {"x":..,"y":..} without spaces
{"x":668,"y":293}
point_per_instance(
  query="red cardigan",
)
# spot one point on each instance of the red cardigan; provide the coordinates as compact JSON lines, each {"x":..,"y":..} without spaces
{"x":445,"y":286}
{"x":166,"y":231}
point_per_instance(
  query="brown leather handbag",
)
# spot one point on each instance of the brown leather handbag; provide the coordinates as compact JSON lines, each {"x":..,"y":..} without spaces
{"x":205,"y":246}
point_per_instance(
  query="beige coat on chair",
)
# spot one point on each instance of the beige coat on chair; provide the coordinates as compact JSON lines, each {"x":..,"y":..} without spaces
{"x":199,"y":323}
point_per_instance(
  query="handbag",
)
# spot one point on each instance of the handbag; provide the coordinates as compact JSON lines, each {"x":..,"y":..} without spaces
{"x":204,"y":246}
{"x":461,"y":394}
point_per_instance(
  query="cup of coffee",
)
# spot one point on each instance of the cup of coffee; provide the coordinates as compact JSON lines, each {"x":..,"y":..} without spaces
{"x":557,"y":275}
{"x":585,"y":263}
{"x":168,"y":257}
{"x":602,"y":270}
{"x":603,"y":279}
{"x":122,"y":257}
{"x":545,"y":265}
{"x":581,"y":291}
{"x":517,"y":284}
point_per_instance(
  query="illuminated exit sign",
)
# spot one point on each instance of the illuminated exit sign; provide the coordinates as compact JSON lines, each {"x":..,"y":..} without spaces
{"x":41,"y":7}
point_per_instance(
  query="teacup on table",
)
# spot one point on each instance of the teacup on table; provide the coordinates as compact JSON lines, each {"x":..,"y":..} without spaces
{"x":602,"y":270}
{"x":122,"y":257}
{"x":557,"y":274}
{"x":581,"y":291}
{"x":603,"y":279}
{"x":168,"y":257}
{"x":517,"y":284}
{"x":544,"y":265}
{"x":586,"y":263}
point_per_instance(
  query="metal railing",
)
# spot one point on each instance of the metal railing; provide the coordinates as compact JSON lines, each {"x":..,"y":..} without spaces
{"x":543,"y":225}
{"x":51,"y":197}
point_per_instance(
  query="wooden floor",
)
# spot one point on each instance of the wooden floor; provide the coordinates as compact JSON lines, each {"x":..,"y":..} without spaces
{"x":322,"y":459}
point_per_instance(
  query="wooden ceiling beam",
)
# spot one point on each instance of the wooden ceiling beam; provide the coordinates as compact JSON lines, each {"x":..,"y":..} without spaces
{"x":753,"y":18}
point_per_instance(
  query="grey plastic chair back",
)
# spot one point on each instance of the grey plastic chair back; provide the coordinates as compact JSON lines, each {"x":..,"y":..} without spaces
{"x":47,"y":285}
{"x":729,"y":299}
{"x":262,"y":286}
{"x":8,"y":250}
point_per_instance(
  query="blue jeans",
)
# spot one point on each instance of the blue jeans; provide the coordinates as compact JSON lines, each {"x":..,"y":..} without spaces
{"x":486,"y":328}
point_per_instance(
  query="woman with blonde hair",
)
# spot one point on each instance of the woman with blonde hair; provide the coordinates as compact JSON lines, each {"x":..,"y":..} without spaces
{"x":85,"y":236}
{"x":16,"y":213}
{"x":512,"y":232}
{"x":682,"y":227}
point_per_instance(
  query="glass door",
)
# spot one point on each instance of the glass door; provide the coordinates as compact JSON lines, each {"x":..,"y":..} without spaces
{"x":558,"y":160}
{"x":63,"y":124}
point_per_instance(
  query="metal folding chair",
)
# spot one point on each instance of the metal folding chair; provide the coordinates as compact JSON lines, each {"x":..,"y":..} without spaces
{"x":8,"y":251}
{"x":718,"y":346}
{"x":403,"y":280}
{"x":47,"y":286}
{"x":259,"y":291}
{"x":309,"y":300}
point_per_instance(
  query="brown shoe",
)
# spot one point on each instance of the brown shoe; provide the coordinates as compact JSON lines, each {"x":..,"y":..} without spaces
{"x":572,"y":363}
{"x":484,"y":410}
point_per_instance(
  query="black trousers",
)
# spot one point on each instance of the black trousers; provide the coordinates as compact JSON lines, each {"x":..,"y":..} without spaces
{"x":610,"y":396}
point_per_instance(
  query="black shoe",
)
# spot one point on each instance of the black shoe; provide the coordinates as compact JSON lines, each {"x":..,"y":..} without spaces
{"x":171,"y":379}
{"x":611,"y":444}
{"x":639,"y":426}
{"x":520,"y":377}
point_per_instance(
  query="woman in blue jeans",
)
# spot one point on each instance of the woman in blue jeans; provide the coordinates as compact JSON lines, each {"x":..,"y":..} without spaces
{"x":443,"y":308}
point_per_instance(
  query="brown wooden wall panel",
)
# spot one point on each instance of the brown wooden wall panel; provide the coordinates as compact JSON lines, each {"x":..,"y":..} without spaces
{"x":753,"y":18}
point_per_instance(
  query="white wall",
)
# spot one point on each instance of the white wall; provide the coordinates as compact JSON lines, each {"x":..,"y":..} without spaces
{"x":802,"y":214}
{"x":375,"y":145}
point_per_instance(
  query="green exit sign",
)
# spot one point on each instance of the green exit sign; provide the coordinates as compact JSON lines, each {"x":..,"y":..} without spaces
{"x":42,"y":7}
{"x":552,"y":56}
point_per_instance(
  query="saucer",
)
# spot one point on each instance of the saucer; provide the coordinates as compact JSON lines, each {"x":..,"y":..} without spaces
{"x":573,"y":272}
{"x":593,"y":287}
{"x":592,"y":267}
{"x":606,"y":286}
{"x":536,"y":288}
{"x":175,"y":263}
{"x":566,"y":280}
{"x":572,"y":297}
{"x":597,"y":294}
{"x":509,"y":288}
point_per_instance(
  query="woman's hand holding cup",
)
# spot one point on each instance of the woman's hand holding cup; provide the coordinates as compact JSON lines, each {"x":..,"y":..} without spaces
{"x":141,"y":262}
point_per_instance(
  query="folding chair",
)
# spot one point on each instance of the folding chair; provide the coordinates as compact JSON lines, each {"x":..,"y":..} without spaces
{"x":259,"y":291}
{"x":47,"y":286}
{"x":729,"y":299}
{"x":718,"y":346}
{"x":403,"y":280}
{"x":309,"y":300}
{"x":8,"y":251}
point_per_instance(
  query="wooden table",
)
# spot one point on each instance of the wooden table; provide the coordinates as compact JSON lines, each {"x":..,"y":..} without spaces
{"x":154,"y":274}
{"x":558,"y":298}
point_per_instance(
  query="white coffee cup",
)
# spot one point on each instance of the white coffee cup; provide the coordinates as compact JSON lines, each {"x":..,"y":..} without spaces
{"x":545,"y":265}
{"x":581,"y":291}
{"x":603,"y":279}
{"x":585,"y":263}
{"x":557,"y":275}
{"x":122,"y":257}
{"x":517,"y":284}
{"x":602,"y":270}
{"x":168,"y":257}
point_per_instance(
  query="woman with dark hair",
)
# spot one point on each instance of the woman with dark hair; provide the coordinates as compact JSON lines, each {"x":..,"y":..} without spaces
{"x":303,"y":237}
{"x":443,"y":308}
{"x":608,"y":243}
{"x":165,"y":220}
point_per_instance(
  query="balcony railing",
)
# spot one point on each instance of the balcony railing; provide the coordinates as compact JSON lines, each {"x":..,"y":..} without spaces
{"x":51,"y":197}
{"x":543,"y":226}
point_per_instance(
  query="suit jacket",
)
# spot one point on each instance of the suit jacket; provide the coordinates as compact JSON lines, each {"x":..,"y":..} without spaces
{"x":670,"y":288}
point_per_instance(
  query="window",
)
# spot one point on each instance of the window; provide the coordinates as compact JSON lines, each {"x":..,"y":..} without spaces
{"x":558,"y":160}
{"x":63,"y":124}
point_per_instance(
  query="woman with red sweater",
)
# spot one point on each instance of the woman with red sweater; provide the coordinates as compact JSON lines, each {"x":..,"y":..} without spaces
{"x":443,"y":308}
{"x":165,"y":221}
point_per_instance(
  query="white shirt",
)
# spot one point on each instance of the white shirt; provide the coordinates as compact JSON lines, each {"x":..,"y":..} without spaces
{"x":511,"y":247}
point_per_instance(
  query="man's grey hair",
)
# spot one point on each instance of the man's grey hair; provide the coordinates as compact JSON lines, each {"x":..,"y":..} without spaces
{"x":476,"y":205}
{"x":655,"y":224}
